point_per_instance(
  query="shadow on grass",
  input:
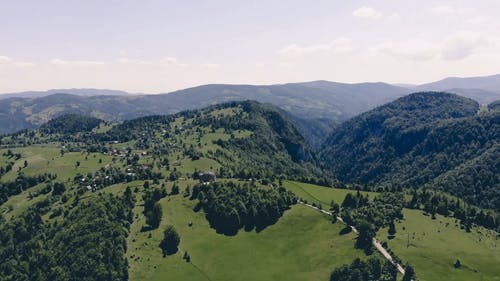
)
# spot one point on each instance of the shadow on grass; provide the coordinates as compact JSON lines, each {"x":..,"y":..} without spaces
{"x":345,"y":230}
{"x":147,"y":228}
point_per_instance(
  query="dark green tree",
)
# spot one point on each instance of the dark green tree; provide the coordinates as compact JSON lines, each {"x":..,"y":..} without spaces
{"x":410,"y":274}
{"x":171,"y":239}
{"x":175,"y":189}
{"x":153,"y":217}
{"x":392,"y":229}
{"x":365,"y":236}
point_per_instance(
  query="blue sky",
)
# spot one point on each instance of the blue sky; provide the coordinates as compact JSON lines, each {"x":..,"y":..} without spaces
{"x":159,"y":46}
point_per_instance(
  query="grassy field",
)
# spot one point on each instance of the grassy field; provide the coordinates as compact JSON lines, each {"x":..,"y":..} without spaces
{"x":435,"y":245}
{"x":320,"y":194}
{"x":303,"y":245}
{"x":47,"y":159}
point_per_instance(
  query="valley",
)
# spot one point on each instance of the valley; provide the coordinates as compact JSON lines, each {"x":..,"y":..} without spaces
{"x":76,"y":177}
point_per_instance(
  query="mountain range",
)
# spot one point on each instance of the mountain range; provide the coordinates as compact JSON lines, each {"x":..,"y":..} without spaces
{"x":315,"y":107}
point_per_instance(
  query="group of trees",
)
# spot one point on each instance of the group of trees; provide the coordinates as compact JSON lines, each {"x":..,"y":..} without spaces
{"x":107,"y":176}
{"x":21,"y":183}
{"x":6,"y":169}
{"x":152,"y":208}
{"x":368,"y":216}
{"x":70,"y":124}
{"x":86,"y":244}
{"x":380,"y":212}
{"x":230,"y":206}
{"x":433,"y":203}
{"x":372,"y":269}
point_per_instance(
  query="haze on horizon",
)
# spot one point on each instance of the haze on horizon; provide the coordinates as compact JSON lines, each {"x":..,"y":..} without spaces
{"x":160,"y":46}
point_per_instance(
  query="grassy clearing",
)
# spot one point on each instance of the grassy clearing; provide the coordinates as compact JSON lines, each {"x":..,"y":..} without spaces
{"x":303,"y":245}
{"x":47,"y":159}
{"x":320,"y":194}
{"x":435,"y":245}
{"x":17,"y":204}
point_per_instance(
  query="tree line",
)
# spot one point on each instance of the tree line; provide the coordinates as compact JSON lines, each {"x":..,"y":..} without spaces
{"x":230,"y":206}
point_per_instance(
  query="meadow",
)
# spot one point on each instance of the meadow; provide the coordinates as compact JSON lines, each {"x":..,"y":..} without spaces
{"x":302,"y":245}
{"x":434,"y":245}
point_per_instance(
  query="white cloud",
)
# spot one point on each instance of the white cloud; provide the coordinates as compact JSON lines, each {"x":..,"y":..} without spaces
{"x":444,"y":10}
{"x":340,"y":45}
{"x":4,"y":60}
{"x":457,"y":46}
{"x":413,"y":49}
{"x":367,"y":13}
{"x":461,"y":45}
{"x":76,"y":62}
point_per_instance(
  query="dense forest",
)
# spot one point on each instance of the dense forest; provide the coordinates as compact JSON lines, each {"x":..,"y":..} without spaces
{"x":229,"y":206}
{"x":424,"y":139}
{"x":70,"y":124}
{"x":87,"y":243}
{"x":494,"y":105}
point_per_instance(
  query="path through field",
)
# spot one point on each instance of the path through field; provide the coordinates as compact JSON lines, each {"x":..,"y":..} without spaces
{"x":375,"y":243}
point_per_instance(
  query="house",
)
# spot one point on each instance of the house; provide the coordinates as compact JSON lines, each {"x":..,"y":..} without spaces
{"x":207,"y":176}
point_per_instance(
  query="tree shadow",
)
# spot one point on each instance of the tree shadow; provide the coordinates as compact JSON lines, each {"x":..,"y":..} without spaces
{"x":346,"y":230}
{"x":146,"y":228}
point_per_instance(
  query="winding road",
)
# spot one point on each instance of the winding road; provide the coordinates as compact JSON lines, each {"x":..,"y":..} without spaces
{"x":375,"y":243}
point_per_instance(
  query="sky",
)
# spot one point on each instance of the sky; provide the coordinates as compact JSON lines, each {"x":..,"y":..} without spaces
{"x":147,"y":46}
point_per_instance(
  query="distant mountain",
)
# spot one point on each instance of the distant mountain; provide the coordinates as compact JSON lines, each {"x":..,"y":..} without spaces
{"x":494,"y":105}
{"x":316,"y":106}
{"x":484,"y":89}
{"x":432,"y":139}
{"x":76,"y":92}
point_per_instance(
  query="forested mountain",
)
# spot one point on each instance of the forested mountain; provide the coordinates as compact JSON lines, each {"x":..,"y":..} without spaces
{"x":316,"y":107}
{"x":494,"y":105}
{"x":76,"y":92}
{"x":70,"y":124}
{"x":430,"y":139}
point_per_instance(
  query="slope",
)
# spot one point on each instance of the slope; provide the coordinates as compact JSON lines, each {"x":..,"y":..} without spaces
{"x":325,"y":102}
{"x":416,"y":139}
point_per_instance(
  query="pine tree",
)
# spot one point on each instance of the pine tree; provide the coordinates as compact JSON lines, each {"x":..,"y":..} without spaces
{"x":170,"y":242}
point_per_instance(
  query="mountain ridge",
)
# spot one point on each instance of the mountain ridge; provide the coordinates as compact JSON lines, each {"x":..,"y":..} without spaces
{"x":420,"y":140}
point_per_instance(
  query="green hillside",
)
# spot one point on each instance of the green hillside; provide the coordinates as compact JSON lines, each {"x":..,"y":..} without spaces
{"x":424,"y":139}
{"x":434,"y":244}
{"x":303,"y":245}
{"x":215,"y":194}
